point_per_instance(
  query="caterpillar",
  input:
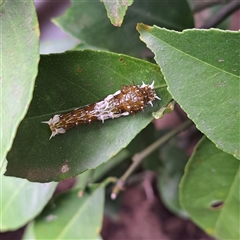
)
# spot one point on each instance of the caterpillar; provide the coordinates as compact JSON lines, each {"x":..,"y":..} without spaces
{"x":129,"y":100}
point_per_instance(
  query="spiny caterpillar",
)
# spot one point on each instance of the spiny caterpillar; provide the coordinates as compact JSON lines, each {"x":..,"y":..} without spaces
{"x":129,"y":100}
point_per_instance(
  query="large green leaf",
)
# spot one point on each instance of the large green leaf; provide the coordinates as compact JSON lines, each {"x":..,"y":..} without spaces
{"x":21,"y":201}
{"x":19,"y":60}
{"x":209,"y":190}
{"x":71,"y":80}
{"x":201,"y":68}
{"x":88,"y":22}
{"x":116,"y":10}
{"x":72,"y":215}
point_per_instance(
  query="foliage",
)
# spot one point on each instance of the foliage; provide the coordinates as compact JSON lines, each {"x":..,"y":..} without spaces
{"x":197,"y":68}
{"x":19,"y":47}
{"x":78,"y":74}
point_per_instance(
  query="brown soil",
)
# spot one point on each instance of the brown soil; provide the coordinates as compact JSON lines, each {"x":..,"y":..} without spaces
{"x":144,"y":218}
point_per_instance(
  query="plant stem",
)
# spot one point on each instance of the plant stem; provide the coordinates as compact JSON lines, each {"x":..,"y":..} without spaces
{"x":139,"y":157}
{"x":222,"y":14}
{"x":203,"y":5}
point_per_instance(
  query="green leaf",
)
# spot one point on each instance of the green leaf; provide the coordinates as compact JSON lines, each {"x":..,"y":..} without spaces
{"x":29,"y":232}
{"x":116,"y":10}
{"x":165,"y":110}
{"x":169,"y":175}
{"x":98,"y":32}
{"x":69,"y":80}
{"x":106,"y":167}
{"x":73,"y":216}
{"x":201,"y":68}
{"x":21,"y":201}
{"x":147,"y":137}
{"x":19,"y":60}
{"x":209,"y":190}
{"x":83,"y":180}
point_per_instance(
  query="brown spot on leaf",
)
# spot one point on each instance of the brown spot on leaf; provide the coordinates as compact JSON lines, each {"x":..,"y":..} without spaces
{"x":122,"y":60}
{"x":65,"y":168}
{"x":79,"y":69}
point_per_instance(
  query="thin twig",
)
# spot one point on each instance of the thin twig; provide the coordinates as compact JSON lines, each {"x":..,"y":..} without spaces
{"x":222,"y":14}
{"x":139,"y":157}
{"x":203,"y":5}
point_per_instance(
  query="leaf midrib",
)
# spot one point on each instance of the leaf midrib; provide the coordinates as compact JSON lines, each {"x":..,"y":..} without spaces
{"x":192,"y":57}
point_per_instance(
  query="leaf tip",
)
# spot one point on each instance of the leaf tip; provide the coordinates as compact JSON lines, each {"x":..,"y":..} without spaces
{"x":143,"y":27}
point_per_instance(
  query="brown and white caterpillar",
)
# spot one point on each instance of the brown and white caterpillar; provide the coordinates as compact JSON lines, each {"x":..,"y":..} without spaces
{"x":129,"y":100}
